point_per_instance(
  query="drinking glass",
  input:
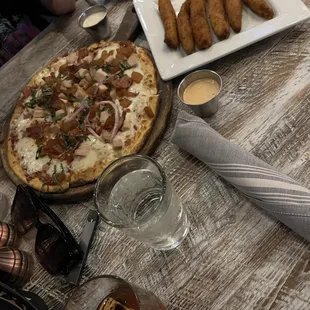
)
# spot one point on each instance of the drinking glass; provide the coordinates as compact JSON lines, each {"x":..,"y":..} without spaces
{"x":134,"y":195}
{"x":93,"y":293}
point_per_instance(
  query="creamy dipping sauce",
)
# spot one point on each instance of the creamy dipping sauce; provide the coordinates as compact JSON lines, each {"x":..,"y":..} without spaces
{"x":201,"y":91}
{"x":94,"y":19}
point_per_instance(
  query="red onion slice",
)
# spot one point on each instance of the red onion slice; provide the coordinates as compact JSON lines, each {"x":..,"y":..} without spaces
{"x":117,"y":116}
{"x":92,"y":131}
{"x":81,"y":108}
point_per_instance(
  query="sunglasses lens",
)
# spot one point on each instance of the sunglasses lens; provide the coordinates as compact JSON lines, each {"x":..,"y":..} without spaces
{"x":23,"y":212}
{"x":53,"y":252}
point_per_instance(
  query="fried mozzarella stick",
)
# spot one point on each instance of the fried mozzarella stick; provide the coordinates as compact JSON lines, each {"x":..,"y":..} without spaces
{"x":200,"y":26}
{"x":260,"y":7}
{"x":168,"y":17}
{"x":185,"y":29}
{"x":234,"y":14}
{"x":218,"y":20}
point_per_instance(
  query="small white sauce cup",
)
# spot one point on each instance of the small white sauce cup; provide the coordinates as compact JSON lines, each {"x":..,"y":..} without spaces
{"x":207,"y":108}
{"x":100,"y":31}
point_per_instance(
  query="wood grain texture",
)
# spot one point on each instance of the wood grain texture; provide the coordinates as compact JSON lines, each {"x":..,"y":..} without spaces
{"x":236,"y":256}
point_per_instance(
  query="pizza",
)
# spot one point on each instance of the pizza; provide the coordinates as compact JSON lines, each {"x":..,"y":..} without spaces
{"x":81,"y":112}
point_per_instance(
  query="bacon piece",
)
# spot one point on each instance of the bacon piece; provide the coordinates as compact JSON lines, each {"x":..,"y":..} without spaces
{"x":69,"y":126}
{"x":35,"y":132}
{"x":109,"y":123}
{"x":125,"y":82}
{"x":125,"y":93}
{"x":58,"y":104}
{"x":53,"y":130}
{"x":120,"y":57}
{"x":126,"y":51}
{"x":136,"y":77}
{"x":69,"y":158}
{"x":92,"y":90}
{"x":125,"y":103}
{"x":114,"y":69}
{"x":26,"y":92}
{"x":93,"y":112}
{"x":82,"y":53}
{"x":60,"y":177}
{"x":115,"y":63}
{"x":49,"y":79}
{"x":149,"y":112}
{"x":53,"y":148}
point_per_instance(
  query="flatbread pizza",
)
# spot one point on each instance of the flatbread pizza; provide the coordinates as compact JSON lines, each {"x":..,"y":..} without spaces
{"x":80,"y":113}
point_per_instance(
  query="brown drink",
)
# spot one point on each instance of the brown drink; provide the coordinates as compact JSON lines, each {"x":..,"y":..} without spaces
{"x":112,"y":293}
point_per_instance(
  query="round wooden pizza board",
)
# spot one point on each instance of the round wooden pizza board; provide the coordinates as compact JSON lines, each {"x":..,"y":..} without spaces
{"x":127,"y":31}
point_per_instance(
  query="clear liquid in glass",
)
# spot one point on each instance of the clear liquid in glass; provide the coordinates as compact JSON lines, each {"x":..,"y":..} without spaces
{"x":137,"y":202}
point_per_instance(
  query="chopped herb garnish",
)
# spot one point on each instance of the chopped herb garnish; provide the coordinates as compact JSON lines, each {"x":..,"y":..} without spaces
{"x":38,"y":151}
{"x":33,"y":92}
{"x":73,"y":98}
{"x":62,"y":167}
{"x":54,"y":177}
{"x":79,"y":76}
{"x":106,"y":67}
{"x":32,"y":103}
{"x":83,"y":117}
{"x":58,"y":117}
{"x":124,"y":65}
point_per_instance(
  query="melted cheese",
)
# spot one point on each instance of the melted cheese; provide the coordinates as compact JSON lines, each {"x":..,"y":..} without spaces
{"x":84,"y":163}
{"x":26,"y":149}
{"x":111,"y":48}
{"x":60,"y":166}
{"x":21,"y":125}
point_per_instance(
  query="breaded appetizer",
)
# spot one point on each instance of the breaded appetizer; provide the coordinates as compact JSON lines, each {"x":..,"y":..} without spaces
{"x":168,"y":17}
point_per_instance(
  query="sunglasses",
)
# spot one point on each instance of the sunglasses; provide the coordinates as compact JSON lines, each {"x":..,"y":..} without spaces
{"x":55,"y":247}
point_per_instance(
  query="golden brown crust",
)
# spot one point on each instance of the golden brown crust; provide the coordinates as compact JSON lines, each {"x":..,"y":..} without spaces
{"x":168,"y":17}
{"x":200,"y":26}
{"x":260,"y":7}
{"x":218,"y":20}
{"x":185,"y":28}
{"x":132,"y":146}
{"x":234,"y":14}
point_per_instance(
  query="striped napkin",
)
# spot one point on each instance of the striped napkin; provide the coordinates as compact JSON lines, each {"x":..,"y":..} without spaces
{"x":276,"y":193}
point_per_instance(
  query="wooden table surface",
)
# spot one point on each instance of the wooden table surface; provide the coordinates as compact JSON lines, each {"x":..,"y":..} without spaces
{"x":236,"y":256}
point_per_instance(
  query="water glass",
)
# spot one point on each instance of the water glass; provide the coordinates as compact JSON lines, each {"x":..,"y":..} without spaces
{"x":134,"y":195}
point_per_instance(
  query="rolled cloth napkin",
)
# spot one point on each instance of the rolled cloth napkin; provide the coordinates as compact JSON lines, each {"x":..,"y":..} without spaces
{"x":276,"y":193}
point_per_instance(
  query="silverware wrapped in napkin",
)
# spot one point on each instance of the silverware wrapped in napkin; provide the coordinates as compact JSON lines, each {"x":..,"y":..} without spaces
{"x":276,"y":193}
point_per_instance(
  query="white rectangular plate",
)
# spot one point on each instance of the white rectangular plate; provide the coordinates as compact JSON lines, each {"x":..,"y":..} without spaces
{"x":171,"y":63}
